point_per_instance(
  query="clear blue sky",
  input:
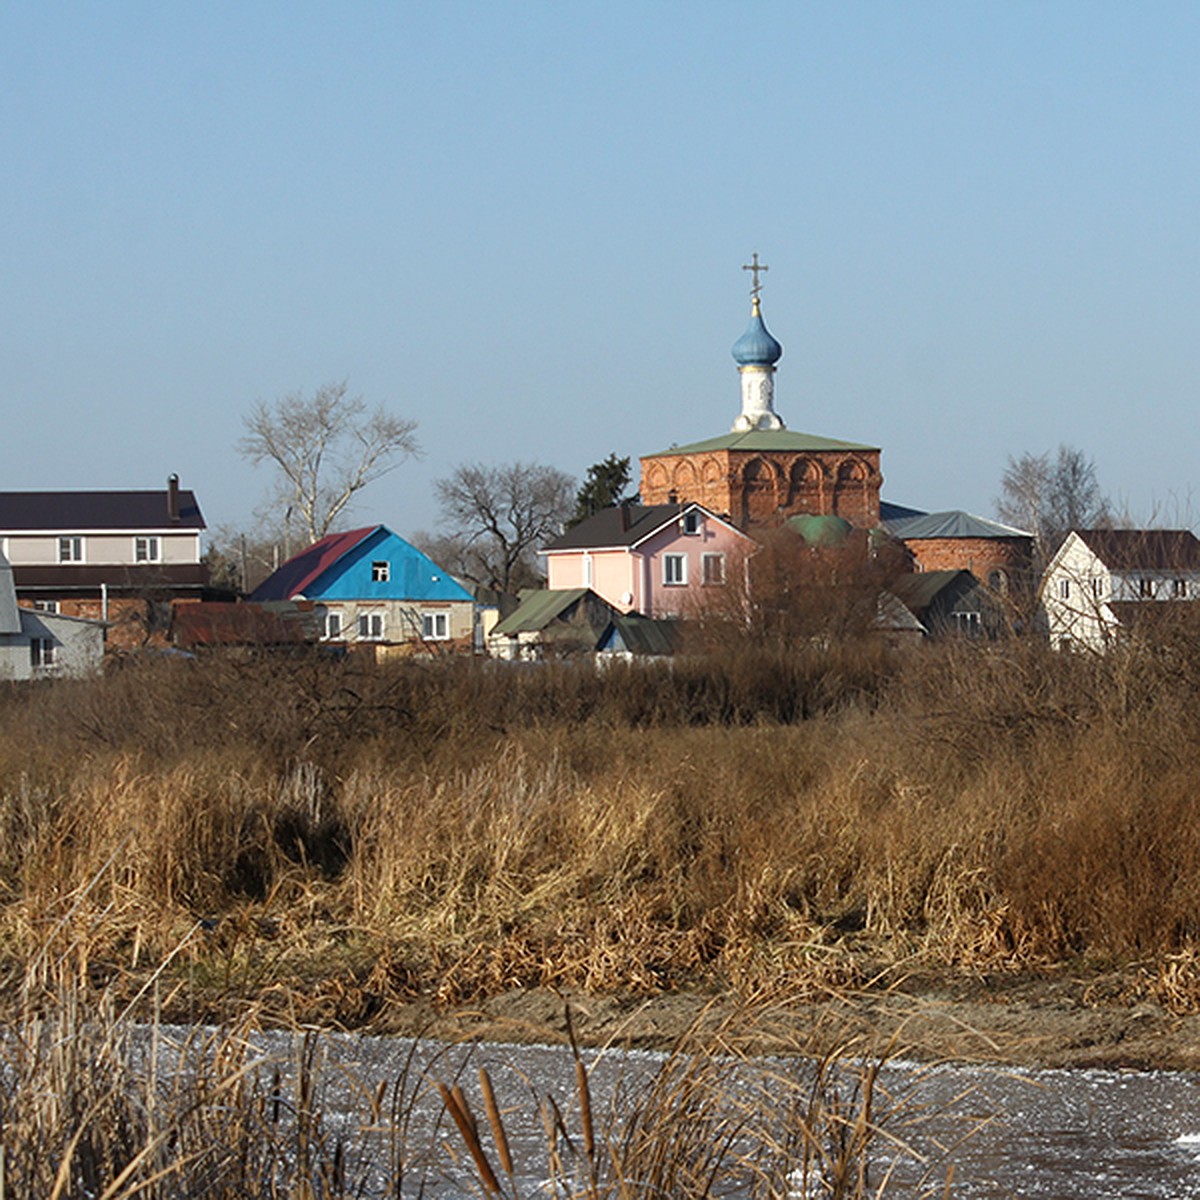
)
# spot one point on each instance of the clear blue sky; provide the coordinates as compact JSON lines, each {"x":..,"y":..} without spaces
{"x":523,"y":225}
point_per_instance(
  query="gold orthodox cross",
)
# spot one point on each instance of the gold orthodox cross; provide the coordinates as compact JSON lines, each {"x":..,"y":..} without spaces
{"x":755,"y":266}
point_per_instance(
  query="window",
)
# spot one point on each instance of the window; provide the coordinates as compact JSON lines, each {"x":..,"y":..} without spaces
{"x":70,"y":549}
{"x":41,"y":653}
{"x":147,"y":549}
{"x":587,"y":570}
{"x":50,"y":606}
{"x":998,"y":581}
{"x":967,"y":624}
{"x":435,"y":627}
{"x":370,"y":627}
{"x":381,"y":572}
{"x":712,"y":568}
{"x":1179,"y":589}
{"x":674,"y":570}
{"x":331,"y":629}
{"x":1146,"y":589}
{"x":1064,"y":589}
{"x":1097,"y":587}
{"x":691,"y":522}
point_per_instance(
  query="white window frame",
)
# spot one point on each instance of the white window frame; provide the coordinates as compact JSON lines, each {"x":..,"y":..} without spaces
{"x":381,"y":571}
{"x":1098,"y":586}
{"x":435,"y":627}
{"x":371,"y":627}
{"x":1147,"y":588}
{"x":331,"y":625}
{"x":587,"y":570}
{"x":1179,"y":589}
{"x":43,"y":654}
{"x":692,"y":522}
{"x":1064,"y":589}
{"x":674,"y":570}
{"x":712,"y":568}
{"x":968,"y":624}
{"x":71,"y":548}
{"x":46,"y":606}
{"x":147,"y":548}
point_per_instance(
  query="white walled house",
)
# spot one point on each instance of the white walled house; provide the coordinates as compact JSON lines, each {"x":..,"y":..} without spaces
{"x":1101,"y":581}
{"x":36,"y":644}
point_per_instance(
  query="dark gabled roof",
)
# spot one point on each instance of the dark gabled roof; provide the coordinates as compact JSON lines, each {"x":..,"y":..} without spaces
{"x":76,"y":511}
{"x":119,"y":578}
{"x":623,"y":525}
{"x":1143,"y":549}
{"x":919,"y":590}
{"x":781,"y":440}
{"x":952,"y":523}
{"x":301,"y":569}
{"x":896,"y":512}
{"x":640,"y":635}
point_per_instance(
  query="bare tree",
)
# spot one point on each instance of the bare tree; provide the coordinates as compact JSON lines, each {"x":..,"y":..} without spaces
{"x":327,"y":448}
{"x":1050,"y":496}
{"x":496,"y":517}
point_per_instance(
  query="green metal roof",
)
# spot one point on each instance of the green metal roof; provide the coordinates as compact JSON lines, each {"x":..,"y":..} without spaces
{"x":820,"y":529}
{"x":537,"y":609}
{"x":781,"y":440}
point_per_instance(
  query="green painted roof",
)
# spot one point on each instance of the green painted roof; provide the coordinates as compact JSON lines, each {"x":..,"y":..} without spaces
{"x":820,"y":529}
{"x":537,"y":609}
{"x":763,"y":439}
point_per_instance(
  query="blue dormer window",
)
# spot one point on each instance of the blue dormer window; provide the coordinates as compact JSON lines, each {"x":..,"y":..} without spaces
{"x":381,"y":572}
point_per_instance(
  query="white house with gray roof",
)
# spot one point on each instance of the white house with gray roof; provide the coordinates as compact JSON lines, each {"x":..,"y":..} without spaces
{"x":36,"y":644}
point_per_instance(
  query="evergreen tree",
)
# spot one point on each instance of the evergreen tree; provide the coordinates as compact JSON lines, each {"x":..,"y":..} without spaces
{"x":603,"y":487}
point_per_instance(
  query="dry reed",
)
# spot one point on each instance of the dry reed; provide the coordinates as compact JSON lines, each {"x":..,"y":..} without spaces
{"x":339,"y":835}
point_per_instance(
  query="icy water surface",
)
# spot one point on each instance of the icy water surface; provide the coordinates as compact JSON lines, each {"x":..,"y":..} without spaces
{"x":1036,"y":1134}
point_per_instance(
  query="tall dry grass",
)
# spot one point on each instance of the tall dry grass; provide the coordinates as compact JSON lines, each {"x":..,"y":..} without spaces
{"x":331,"y":836}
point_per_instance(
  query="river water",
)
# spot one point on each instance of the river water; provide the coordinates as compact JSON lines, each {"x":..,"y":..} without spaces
{"x":1045,"y":1134}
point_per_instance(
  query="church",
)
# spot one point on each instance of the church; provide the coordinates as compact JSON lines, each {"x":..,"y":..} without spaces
{"x":760,"y":472}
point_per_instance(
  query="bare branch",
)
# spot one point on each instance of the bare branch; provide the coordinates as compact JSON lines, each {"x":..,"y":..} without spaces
{"x":496,"y":517}
{"x":327,"y":448}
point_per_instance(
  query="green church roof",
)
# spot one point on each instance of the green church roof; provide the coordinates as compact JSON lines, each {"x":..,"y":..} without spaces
{"x":780,"y":440}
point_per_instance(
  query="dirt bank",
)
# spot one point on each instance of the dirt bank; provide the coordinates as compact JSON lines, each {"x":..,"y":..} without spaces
{"x":1042,"y":1021}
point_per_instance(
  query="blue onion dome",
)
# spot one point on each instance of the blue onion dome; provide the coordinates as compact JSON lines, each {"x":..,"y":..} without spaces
{"x":756,"y":347}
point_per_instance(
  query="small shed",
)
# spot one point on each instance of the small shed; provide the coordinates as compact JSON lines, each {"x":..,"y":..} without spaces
{"x":552,"y":623}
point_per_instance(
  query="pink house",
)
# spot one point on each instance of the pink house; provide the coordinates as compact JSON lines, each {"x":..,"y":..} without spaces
{"x":663,"y":560}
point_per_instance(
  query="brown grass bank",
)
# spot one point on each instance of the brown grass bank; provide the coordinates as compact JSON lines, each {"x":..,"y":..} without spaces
{"x":328,"y":838}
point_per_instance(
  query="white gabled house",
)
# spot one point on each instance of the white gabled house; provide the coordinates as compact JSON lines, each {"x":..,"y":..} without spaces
{"x":36,"y":644}
{"x":1102,"y":580}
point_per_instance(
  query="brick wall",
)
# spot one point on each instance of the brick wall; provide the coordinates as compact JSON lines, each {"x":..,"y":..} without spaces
{"x":980,"y":556}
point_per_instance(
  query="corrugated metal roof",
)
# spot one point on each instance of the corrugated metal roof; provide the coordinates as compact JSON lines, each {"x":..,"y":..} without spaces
{"x":537,"y":609}
{"x":763,"y":439}
{"x":218,"y":623}
{"x":301,"y":569}
{"x":75,"y":511}
{"x":953,"y":523}
{"x":1146,"y":549}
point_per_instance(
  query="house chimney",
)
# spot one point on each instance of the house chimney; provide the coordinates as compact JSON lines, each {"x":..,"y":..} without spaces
{"x":173,"y":499}
{"x":624,"y":516}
